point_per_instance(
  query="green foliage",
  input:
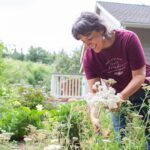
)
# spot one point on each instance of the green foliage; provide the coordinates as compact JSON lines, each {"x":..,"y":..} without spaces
{"x":31,"y":97}
{"x":13,"y":53}
{"x":2,"y":65}
{"x":27,"y":72}
{"x":17,"y":120}
{"x":62,"y":63}
{"x":15,"y":116}
{"x":2,"y":47}
{"x":38,"y":54}
{"x":65,"y":64}
{"x":72,"y":122}
{"x":75,"y":62}
{"x":69,"y":122}
{"x":17,"y":55}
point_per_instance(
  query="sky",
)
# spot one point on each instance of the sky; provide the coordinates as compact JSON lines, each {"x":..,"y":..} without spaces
{"x":44,"y":23}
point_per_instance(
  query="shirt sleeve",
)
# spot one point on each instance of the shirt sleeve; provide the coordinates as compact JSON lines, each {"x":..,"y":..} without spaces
{"x":135,"y":53}
{"x":88,"y":67}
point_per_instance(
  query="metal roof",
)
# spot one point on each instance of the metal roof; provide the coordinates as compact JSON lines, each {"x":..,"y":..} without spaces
{"x":128,"y":13}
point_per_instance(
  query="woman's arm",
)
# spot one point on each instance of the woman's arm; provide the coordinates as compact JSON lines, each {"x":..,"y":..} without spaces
{"x":94,"y":116}
{"x":91,"y":83}
{"x":138,"y":78}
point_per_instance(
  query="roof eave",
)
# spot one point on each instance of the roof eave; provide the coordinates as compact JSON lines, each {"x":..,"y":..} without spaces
{"x":135,"y":25}
{"x":111,"y":17}
{"x":118,"y":23}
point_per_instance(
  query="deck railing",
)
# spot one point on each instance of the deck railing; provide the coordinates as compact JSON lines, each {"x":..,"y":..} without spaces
{"x":67,"y":86}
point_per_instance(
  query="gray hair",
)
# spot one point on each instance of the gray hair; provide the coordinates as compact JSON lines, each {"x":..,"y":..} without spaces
{"x":88,"y":22}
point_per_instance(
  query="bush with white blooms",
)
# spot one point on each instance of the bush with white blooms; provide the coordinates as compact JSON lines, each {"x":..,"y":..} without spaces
{"x":106,"y":95}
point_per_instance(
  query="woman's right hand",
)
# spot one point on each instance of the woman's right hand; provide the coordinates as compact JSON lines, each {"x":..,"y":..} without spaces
{"x":96,"y":124}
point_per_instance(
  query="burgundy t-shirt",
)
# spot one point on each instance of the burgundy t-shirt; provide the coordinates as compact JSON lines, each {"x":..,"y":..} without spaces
{"x":116,"y":62}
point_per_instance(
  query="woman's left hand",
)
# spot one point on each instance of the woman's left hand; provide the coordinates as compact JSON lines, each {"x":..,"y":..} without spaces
{"x":118,"y":104}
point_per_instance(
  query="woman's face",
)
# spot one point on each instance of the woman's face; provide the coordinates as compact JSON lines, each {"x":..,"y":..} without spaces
{"x":93,"y":40}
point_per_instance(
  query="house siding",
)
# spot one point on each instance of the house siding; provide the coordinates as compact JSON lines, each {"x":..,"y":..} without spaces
{"x":144,"y":36}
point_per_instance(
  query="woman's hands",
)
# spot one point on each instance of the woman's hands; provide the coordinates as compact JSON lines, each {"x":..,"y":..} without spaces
{"x":96,"y":124}
{"x":120,"y":101}
{"x":94,"y":116}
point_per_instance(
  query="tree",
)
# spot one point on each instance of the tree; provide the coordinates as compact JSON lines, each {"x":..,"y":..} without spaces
{"x":65,"y":64}
{"x":37,"y":54}
{"x":62,"y":62}
{"x":2,"y":66}
{"x":75,"y":62}
{"x":17,"y":55}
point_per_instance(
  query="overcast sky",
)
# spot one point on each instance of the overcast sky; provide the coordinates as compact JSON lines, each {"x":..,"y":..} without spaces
{"x":44,"y":23}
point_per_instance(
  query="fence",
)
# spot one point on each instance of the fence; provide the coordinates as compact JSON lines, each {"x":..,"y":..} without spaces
{"x":67,"y":86}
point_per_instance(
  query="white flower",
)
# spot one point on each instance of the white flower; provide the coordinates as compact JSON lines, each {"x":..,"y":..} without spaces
{"x":53,"y":147}
{"x":26,"y":139}
{"x":106,"y":140}
{"x":96,"y":85}
{"x":39,"y":107}
{"x":105,"y":96}
{"x":54,"y":140}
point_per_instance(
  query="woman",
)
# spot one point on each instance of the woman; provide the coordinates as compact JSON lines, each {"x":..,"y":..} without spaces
{"x":116,"y":54}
